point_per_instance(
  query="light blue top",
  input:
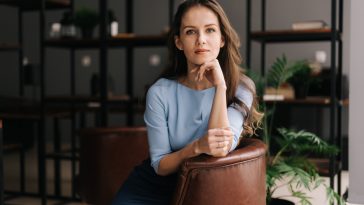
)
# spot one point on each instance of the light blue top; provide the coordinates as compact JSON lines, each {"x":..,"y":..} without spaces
{"x":176,"y":115}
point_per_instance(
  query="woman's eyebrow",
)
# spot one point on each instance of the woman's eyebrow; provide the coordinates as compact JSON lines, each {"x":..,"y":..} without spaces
{"x":184,"y":27}
{"x":190,"y":26}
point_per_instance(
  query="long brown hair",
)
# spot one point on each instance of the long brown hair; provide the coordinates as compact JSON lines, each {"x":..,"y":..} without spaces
{"x":229,"y":58}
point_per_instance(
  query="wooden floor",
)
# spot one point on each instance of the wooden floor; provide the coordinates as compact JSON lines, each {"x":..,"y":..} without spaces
{"x":12,"y":181}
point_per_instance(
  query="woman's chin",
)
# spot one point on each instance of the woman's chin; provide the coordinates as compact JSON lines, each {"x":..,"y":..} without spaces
{"x":201,"y":61}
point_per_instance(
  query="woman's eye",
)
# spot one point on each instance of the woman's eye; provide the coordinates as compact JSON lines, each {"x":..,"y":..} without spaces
{"x":210,"y":30}
{"x":189,"y":32}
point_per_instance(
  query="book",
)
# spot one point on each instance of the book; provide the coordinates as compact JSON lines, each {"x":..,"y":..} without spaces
{"x":273,"y":97}
{"x":285,"y":91}
{"x":307,"y":25}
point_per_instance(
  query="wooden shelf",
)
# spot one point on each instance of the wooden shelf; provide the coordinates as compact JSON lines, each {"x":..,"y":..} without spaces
{"x":29,"y":5}
{"x":32,"y":113}
{"x":344,"y":102}
{"x":119,"y":41}
{"x":306,"y":101}
{"x":116,"y":104}
{"x":323,"y":166}
{"x":9,"y":47}
{"x":321,"y":101}
{"x":21,"y":108}
{"x":276,"y":36}
{"x":11,"y":147}
{"x":64,"y":155}
{"x":85,"y":99}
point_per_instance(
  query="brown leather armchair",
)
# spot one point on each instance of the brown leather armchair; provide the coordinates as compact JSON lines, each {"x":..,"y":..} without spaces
{"x":108,"y":155}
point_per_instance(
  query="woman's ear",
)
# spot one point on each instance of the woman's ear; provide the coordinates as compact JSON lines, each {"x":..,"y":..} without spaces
{"x":222,"y":41}
{"x":178,"y":43}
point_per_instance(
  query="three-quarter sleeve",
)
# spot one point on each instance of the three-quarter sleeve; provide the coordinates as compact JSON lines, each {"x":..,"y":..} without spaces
{"x":156,"y":121}
{"x":236,"y":114}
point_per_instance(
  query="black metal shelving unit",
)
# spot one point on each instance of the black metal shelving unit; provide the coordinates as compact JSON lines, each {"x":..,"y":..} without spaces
{"x":1,"y":164}
{"x":103,"y":104}
{"x":28,"y":109}
{"x":69,"y":106}
{"x":333,"y":36}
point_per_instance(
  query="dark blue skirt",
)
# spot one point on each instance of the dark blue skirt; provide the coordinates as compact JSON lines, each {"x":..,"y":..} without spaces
{"x":145,"y":187}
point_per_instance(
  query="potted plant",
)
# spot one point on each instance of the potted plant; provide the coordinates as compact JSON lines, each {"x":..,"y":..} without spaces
{"x":86,"y":19}
{"x":290,"y":163}
{"x":287,"y":161}
{"x":301,"y":79}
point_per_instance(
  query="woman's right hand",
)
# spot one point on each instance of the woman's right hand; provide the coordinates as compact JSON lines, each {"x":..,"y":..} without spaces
{"x":215,"y":142}
{"x":212,"y":71}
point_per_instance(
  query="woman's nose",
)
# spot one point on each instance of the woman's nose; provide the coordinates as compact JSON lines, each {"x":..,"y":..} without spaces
{"x":201,"y":39}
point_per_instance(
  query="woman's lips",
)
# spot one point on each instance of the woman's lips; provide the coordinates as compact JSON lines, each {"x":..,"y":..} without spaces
{"x":201,"y":51}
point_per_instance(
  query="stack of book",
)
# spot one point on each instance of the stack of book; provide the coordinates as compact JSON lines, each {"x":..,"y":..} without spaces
{"x":309,"y":25}
{"x":285,"y":91}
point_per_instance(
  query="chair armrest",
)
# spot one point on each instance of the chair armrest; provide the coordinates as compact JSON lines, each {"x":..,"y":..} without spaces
{"x":248,"y":149}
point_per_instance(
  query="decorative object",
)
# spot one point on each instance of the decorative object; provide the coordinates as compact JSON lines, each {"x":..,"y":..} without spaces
{"x":55,"y":31}
{"x":86,"y":19}
{"x":288,"y":149}
{"x":30,"y":73}
{"x":68,"y":28}
{"x":113,"y":27}
{"x":316,"y":65}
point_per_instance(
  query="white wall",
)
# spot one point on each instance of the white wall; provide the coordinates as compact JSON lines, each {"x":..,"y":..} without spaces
{"x":356,"y":111}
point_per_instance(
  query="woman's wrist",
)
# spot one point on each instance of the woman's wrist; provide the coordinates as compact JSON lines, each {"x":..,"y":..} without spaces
{"x":196,"y":148}
{"x":221,"y":85}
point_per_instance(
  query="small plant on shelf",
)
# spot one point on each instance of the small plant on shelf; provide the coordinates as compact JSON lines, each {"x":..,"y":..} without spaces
{"x":86,"y":19}
{"x":287,"y":161}
{"x":301,"y":79}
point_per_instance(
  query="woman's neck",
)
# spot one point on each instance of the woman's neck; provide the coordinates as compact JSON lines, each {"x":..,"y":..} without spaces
{"x":191,"y":82}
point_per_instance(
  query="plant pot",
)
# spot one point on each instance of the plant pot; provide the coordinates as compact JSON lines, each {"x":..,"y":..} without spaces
{"x":300,"y":91}
{"x":280,"y":202}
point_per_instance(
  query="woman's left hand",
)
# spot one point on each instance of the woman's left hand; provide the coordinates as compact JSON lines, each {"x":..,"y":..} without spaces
{"x":216,"y":142}
{"x":212,"y":71}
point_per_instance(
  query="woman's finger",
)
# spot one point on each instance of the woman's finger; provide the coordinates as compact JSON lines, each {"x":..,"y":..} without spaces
{"x":222,"y":132}
{"x":208,"y":66}
{"x":221,"y":144}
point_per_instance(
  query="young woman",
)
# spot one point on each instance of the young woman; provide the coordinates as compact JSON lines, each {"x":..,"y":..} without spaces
{"x":201,"y":104}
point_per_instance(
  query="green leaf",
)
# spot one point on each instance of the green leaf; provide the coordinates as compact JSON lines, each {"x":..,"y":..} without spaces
{"x":277,"y":72}
{"x":301,"y":142}
{"x":332,"y":197}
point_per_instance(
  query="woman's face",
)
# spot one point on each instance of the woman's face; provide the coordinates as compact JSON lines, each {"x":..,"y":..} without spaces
{"x":200,"y":36}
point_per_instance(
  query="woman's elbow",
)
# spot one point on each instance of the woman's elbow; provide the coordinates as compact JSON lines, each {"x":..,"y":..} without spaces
{"x":162,"y":172}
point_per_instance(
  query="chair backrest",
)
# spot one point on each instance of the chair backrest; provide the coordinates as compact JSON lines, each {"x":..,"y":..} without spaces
{"x":107,"y":156}
{"x":237,"y":179}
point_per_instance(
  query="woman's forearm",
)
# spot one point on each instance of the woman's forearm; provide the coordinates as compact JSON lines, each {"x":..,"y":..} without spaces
{"x":218,"y":116}
{"x":218,"y":119}
{"x":170,"y":163}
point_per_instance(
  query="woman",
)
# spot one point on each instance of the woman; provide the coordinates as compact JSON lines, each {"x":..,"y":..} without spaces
{"x":201,"y":104}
